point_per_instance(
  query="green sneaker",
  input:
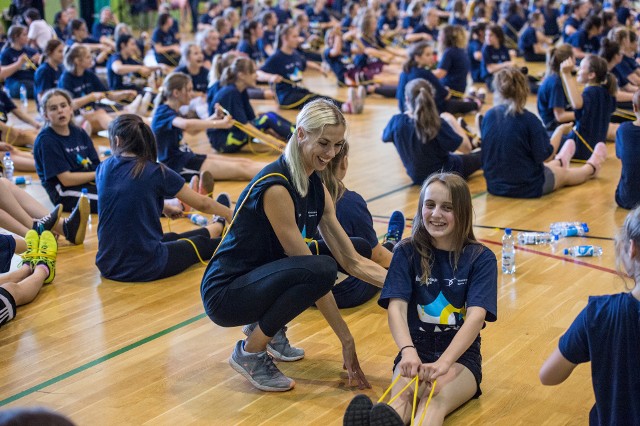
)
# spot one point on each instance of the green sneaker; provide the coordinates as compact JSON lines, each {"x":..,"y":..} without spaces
{"x":32,"y":239}
{"x":47,"y":252}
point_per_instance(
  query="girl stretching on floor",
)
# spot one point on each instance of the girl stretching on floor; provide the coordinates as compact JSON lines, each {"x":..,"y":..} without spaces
{"x":132,"y":187}
{"x":553,"y":105}
{"x":168,"y":125}
{"x":425,"y":140}
{"x":289,"y":64}
{"x":435,"y":324}
{"x":49,"y":72}
{"x":10,"y":134}
{"x":18,"y":62}
{"x":233,"y":97}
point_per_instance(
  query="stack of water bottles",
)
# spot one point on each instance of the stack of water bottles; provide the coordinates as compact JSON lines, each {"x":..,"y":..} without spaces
{"x":575,"y":229}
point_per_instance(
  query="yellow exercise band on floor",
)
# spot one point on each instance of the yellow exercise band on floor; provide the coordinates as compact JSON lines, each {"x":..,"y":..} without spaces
{"x":415,"y":396}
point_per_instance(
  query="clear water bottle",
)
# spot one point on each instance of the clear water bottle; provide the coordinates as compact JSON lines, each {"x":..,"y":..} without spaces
{"x":22,"y":180}
{"x":85,"y":194}
{"x":7,"y":166}
{"x":198,"y":219}
{"x":508,"y":253}
{"x":527,"y":238}
{"x":554,"y":243}
{"x":23,"y":95}
{"x":583,"y":251}
{"x":569,"y":229}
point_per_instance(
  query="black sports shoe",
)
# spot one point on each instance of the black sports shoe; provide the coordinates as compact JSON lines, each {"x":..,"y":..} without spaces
{"x":358,"y":411}
{"x":384,"y":415}
{"x":75,"y":226}
{"x":224,"y":199}
{"x":48,"y":222}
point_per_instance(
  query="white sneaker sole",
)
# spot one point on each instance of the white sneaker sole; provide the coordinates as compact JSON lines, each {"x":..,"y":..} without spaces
{"x":277,"y":355}
{"x":257,"y":385}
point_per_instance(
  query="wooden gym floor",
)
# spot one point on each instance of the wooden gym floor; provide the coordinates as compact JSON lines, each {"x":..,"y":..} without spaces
{"x":105,"y":353}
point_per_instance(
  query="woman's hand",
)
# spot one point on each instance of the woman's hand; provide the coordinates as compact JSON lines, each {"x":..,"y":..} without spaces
{"x":566,"y":128}
{"x":6,"y":147}
{"x":568,"y":65}
{"x":226,"y":122}
{"x":410,"y":363}
{"x":352,"y":366}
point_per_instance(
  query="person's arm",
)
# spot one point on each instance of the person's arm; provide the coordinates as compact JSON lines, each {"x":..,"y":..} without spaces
{"x":280,"y":211}
{"x":271,"y":78}
{"x":562,"y":115}
{"x":87,"y":99}
{"x":556,"y":138}
{"x":76,"y":178}
{"x":570,"y":29}
{"x":27,"y":118}
{"x":381,"y":256}
{"x":556,"y":369}
{"x":9,"y":70}
{"x":121,"y":69}
{"x":194,"y":125}
{"x":578,"y":52}
{"x":159,"y":48}
{"x":624,"y":96}
{"x":118,"y":95}
{"x":470,"y":329}
{"x":342,"y":249}
{"x":203,"y":203}
{"x":440,"y":73}
{"x":410,"y":363}
{"x":494,"y":68}
{"x":575,"y":97}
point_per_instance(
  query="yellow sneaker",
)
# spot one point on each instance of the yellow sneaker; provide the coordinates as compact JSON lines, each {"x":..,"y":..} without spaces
{"x":32,"y":239}
{"x":47,"y":253}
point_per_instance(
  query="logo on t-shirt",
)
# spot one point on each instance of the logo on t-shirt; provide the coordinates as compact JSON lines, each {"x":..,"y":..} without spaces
{"x":441,"y":311}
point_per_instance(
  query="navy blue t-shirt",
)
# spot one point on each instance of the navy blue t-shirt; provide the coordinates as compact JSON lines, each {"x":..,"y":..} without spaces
{"x":620,"y":74}
{"x":391,"y":23}
{"x":10,"y":55}
{"x":238,"y":105}
{"x":456,"y":62}
{"x":592,"y":120}
{"x":252,"y":51}
{"x":283,"y":15}
{"x":411,"y":21}
{"x":354,"y":216}
{"x":88,"y":40}
{"x":581,"y":40}
{"x":415,"y":72}
{"x":575,"y":23}
{"x":514,"y":22}
{"x":361,"y":60}
{"x":527,"y":40}
{"x":607,"y":333}
{"x":123,"y":82}
{"x":6,"y":106}
{"x":289,"y":67}
{"x":490,"y":55}
{"x":165,"y":39}
{"x":623,"y":14}
{"x":129,"y":209}
{"x":268,"y":39}
{"x":423,"y":29}
{"x":200,"y":80}
{"x":251,"y":242}
{"x":514,"y":148}
{"x":475,"y":65}
{"x":628,"y":151}
{"x":82,"y":85}
{"x":339,"y":64}
{"x":321,"y":17}
{"x":102,"y":30}
{"x":551,"y":16}
{"x":171,"y":150}
{"x":551,"y":95}
{"x":46,"y":78}
{"x":441,"y":303}
{"x":55,"y":154}
{"x":422,"y":159}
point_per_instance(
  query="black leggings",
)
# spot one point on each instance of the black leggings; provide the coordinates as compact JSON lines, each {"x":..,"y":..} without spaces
{"x":386,"y":90}
{"x":470,"y":163}
{"x":275,"y":293}
{"x":181,"y":252}
{"x":459,"y":106}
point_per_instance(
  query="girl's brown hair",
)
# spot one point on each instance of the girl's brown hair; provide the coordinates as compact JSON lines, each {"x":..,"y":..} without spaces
{"x":511,"y":88}
{"x":419,"y":95}
{"x":599,"y":67}
{"x":174,"y":81}
{"x":416,"y":49}
{"x":556,"y":56}
{"x":76,"y":51}
{"x":134,"y":137}
{"x":463,"y":235}
{"x":630,"y":231}
{"x":240,"y":65}
{"x":45,"y":100}
{"x":453,"y":36}
{"x":329,"y":177}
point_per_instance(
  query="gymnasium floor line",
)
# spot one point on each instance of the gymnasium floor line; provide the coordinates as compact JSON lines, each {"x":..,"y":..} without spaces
{"x":99,"y":360}
{"x":393,"y":191}
{"x":553,"y":256}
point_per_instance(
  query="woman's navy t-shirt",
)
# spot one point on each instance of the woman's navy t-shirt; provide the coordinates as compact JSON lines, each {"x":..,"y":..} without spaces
{"x":46,"y":78}
{"x":81,"y":85}
{"x":456,"y":62}
{"x":129,"y":209}
{"x":514,"y":148}
{"x":475,"y":65}
{"x":551,"y":95}
{"x":422,"y":159}
{"x":491,"y":55}
{"x":251,"y":242}
{"x":415,"y":72}
{"x":171,"y":150}
{"x":252,"y":51}
{"x":442,"y":302}
{"x":126,"y":81}
{"x":289,"y":67}
{"x":581,"y":40}
{"x":200,"y":80}
{"x":628,"y":151}
{"x":238,"y":105}
{"x":592,"y":120}
{"x":9,"y":56}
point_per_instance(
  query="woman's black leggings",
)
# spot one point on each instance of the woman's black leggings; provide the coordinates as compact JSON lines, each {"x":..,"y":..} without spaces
{"x":459,"y":106}
{"x":275,"y":293}
{"x":182,"y":253}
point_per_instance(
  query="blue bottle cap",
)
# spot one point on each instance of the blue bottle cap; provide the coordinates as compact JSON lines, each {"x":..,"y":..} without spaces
{"x":566,"y":251}
{"x":507,"y":231}
{"x":85,"y":191}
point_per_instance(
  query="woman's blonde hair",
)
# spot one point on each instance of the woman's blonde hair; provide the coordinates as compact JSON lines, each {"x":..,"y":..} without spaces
{"x":174,"y":81}
{"x":329,"y":175}
{"x":630,"y":230}
{"x":75,"y":52}
{"x":45,"y":100}
{"x":313,"y":118}
{"x":511,"y":88}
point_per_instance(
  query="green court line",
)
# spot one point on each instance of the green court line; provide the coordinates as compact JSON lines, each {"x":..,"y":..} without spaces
{"x":100,"y":360}
{"x":393,"y":191}
{"x":479,"y":194}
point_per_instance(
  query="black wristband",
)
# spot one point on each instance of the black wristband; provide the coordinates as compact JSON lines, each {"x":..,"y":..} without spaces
{"x":405,"y":347}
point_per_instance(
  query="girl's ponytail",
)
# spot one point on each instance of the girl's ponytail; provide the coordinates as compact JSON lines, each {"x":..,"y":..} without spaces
{"x":611,"y":83}
{"x":419,"y":98}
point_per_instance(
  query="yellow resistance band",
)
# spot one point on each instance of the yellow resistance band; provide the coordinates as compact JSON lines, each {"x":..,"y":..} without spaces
{"x":415,"y":381}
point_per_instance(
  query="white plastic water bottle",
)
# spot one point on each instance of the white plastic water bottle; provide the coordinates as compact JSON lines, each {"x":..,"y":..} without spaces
{"x":569,"y":229}
{"x":526,"y":238}
{"x":508,"y":253}
{"x":583,"y":251}
{"x":85,"y":194}
{"x":7,"y":166}
{"x":23,"y":96}
{"x":198,"y":219}
{"x":22,"y":180}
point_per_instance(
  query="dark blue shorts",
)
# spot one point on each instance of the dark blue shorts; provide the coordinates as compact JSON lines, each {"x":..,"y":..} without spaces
{"x":430,"y":347}
{"x":7,"y":249}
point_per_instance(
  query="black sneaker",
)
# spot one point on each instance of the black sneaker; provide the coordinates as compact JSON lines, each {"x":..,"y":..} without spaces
{"x":396,"y":228}
{"x":358,"y":411}
{"x":224,"y":199}
{"x":75,"y":226}
{"x":384,"y":415}
{"x":48,"y":222}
